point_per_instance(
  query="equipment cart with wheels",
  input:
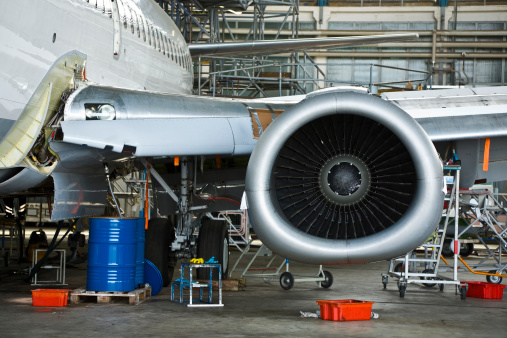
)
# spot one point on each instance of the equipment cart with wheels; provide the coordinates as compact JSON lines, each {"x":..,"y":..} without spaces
{"x":408,"y":269}
{"x":287,"y":279}
{"x":323,"y":278}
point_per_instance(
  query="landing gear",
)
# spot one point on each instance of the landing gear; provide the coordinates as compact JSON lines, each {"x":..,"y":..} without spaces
{"x":446,"y":248}
{"x":213,"y":241}
{"x":466,"y":249}
{"x":158,"y":238}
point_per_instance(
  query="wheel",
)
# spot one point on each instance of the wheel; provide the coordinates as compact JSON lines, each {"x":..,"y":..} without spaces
{"x":463,"y":292}
{"x":441,"y":287}
{"x":494,"y":279}
{"x":429,"y":285}
{"x":385,"y":280}
{"x":286,"y":281}
{"x":403,"y":288}
{"x":158,"y":238}
{"x":329,"y":280}
{"x":213,"y":241}
{"x":466,"y":249}
{"x":446,"y":248}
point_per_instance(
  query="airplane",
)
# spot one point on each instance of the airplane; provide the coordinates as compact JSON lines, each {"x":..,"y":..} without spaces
{"x":337,"y":176}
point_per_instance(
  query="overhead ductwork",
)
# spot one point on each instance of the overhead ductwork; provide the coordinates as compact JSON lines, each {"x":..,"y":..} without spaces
{"x":344,"y":178}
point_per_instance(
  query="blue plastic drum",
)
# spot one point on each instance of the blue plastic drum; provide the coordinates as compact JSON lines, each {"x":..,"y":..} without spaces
{"x":112,"y":254}
{"x":140,"y":252}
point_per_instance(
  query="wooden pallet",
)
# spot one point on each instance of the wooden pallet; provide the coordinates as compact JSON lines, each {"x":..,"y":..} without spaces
{"x":135,"y":297}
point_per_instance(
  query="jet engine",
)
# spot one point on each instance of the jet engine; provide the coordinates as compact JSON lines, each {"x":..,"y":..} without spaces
{"x":344,"y":178}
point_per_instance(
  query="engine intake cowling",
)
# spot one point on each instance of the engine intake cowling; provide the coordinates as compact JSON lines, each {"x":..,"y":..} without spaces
{"x":344,"y":178}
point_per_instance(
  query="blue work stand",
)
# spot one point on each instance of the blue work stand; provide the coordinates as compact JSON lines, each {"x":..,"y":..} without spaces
{"x":191,"y":285}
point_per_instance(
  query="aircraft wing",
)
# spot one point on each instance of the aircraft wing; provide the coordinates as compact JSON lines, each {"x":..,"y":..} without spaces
{"x":455,"y":114}
{"x":268,"y":47}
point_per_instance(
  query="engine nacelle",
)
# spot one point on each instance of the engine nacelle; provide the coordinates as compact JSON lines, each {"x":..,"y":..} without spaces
{"x":344,"y":178}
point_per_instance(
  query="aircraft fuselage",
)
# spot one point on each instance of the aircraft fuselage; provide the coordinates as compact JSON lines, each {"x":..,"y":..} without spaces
{"x":147,"y":52}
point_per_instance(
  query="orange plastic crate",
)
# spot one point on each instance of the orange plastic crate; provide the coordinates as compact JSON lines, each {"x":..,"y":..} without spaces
{"x":50,"y":297}
{"x":484,"y":290}
{"x":345,"y":309}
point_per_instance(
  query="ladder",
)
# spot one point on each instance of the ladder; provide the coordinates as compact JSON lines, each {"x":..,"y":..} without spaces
{"x":405,"y":269}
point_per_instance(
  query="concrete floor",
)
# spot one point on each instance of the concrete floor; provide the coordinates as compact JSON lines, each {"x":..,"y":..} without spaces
{"x":261,"y":309}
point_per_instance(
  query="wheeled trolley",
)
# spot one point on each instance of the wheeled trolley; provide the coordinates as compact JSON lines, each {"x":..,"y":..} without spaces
{"x":408,"y":269}
{"x":323,"y":278}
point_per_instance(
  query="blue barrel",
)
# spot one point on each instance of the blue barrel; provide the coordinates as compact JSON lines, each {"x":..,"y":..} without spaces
{"x":140,"y":252}
{"x":112,"y":254}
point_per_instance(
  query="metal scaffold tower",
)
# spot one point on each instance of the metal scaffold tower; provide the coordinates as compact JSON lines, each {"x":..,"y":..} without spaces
{"x":245,"y":20}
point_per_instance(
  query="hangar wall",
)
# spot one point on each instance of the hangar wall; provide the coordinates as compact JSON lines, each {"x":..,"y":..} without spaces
{"x":481,"y":33}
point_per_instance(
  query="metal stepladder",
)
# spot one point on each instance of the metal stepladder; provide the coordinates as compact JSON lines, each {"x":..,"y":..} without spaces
{"x":484,"y":213}
{"x":405,"y":269}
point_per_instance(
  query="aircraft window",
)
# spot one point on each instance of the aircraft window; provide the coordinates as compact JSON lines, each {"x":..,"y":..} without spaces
{"x":156,"y":43}
{"x":168,"y":46}
{"x":153,"y":36}
{"x":137,"y":24}
{"x":172,"y":49}
{"x":149,"y":34}
{"x":108,"y":8}
{"x":122,"y":12}
{"x":99,"y":4}
{"x":144,"y":29}
{"x":162,"y":37}
{"x":157,"y":34}
{"x":131,"y":18}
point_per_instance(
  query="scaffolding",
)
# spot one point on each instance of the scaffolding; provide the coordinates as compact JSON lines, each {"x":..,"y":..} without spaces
{"x":256,"y":76}
{"x":484,"y":214}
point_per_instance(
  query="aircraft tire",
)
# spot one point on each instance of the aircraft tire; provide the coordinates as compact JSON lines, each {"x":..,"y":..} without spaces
{"x":159,"y":236}
{"x":213,"y":241}
{"x":466,"y":249}
{"x":446,"y":248}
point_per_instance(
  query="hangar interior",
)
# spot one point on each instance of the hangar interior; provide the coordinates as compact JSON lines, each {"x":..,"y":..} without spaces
{"x":461,"y":44}
{"x":457,"y":46}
